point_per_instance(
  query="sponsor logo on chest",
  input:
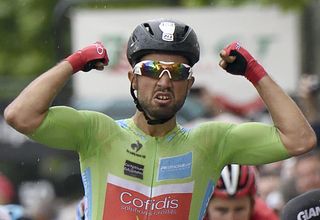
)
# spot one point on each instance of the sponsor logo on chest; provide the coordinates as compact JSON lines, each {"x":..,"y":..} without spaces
{"x":135,"y":148}
{"x":131,"y":200}
{"x":177,"y":167}
{"x":133,"y":169}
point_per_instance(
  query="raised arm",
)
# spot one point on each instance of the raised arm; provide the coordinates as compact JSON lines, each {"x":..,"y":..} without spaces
{"x":29,"y":109}
{"x":295,"y":132}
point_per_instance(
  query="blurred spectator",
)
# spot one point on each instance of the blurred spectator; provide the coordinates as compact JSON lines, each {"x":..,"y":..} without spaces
{"x":206,"y":100}
{"x":4,"y":214}
{"x":307,"y":172}
{"x":308,"y":89}
{"x":6,"y":190}
{"x":16,"y":212}
{"x":235,"y":197}
{"x":81,"y":209}
{"x":282,"y":181}
{"x":269,"y":182}
{"x":68,"y":210}
{"x":214,"y":107}
{"x":306,"y":175}
{"x":308,"y":98}
{"x":12,"y":212}
{"x":38,"y":200}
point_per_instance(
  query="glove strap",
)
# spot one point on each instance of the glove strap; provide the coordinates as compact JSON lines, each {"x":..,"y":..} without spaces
{"x":254,"y":72}
{"x":75,"y":61}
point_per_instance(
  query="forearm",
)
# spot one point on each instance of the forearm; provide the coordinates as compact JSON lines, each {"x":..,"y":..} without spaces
{"x":295,"y":131}
{"x":28,"y":110}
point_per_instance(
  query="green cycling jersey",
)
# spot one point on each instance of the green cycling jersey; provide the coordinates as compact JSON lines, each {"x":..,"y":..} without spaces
{"x":130,"y":175}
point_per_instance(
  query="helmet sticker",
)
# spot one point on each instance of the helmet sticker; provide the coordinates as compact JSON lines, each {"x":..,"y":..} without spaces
{"x":167,"y":29}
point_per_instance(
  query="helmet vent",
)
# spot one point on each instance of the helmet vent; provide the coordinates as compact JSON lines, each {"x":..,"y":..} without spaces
{"x":236,"y":181}
{"x":165,"y":36}
{"x":134,"y":38}
{"x":148,"y":28}
{"x":186,"y":29}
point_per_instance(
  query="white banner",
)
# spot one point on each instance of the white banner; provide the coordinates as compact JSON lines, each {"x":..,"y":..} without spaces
{"x":270,"y":34}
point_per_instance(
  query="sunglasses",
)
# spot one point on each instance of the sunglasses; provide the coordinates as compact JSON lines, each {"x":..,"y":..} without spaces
{"x":156,"y":69}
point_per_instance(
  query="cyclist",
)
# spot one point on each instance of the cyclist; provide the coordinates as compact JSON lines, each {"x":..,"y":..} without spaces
{"x":304,"y":206}
{"x":147,"y":166}
{"x":235,"y":196}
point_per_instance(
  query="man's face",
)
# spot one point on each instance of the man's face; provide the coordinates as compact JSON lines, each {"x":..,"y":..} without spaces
{"x":161,"y":98}
{"x":230,"y":209}
{"x":307,"y":174}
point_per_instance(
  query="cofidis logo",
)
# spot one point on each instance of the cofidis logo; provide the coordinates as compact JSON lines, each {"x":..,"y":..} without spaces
{"x":130,"y":200}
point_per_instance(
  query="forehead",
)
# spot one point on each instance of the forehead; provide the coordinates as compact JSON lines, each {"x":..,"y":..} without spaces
{"x":230,"y":202}
{"x":165,"y":57}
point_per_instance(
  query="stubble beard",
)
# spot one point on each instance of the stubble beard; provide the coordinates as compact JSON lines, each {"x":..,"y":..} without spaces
{"x":160,"y":112}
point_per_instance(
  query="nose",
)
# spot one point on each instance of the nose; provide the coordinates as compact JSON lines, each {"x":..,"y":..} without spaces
{"x":230,"y":216}
{"x":233,"y":216}
{"x":164,"y":80}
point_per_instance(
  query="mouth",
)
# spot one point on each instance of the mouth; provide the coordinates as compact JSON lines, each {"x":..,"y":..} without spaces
{"x":163,"y":98}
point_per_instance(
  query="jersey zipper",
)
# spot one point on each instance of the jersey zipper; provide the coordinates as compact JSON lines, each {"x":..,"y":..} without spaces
{"x":154,"y":171}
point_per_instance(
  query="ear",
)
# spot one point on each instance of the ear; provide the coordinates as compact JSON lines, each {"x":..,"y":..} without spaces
{"x":133,"y":79}
{"x":190,"y":82}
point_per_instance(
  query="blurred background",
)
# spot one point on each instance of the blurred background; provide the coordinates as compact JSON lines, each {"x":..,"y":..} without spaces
{"x":34,"y":35}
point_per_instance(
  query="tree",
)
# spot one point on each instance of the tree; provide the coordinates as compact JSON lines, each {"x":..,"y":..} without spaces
{"x":26,"y":42}
{"x":26,"y":38}
{"x":285,"y":4}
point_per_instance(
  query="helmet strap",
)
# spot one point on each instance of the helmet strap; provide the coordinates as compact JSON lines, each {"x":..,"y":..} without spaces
{"x":139,"y":107}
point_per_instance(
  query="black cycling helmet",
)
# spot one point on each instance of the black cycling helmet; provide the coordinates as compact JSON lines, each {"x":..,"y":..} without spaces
{"x":163,"y":35}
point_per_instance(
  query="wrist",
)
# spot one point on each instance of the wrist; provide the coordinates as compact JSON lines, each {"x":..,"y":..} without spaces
{"x":67,"y":66}
{"x":75,"y":61}
{"x":255,"y":72}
